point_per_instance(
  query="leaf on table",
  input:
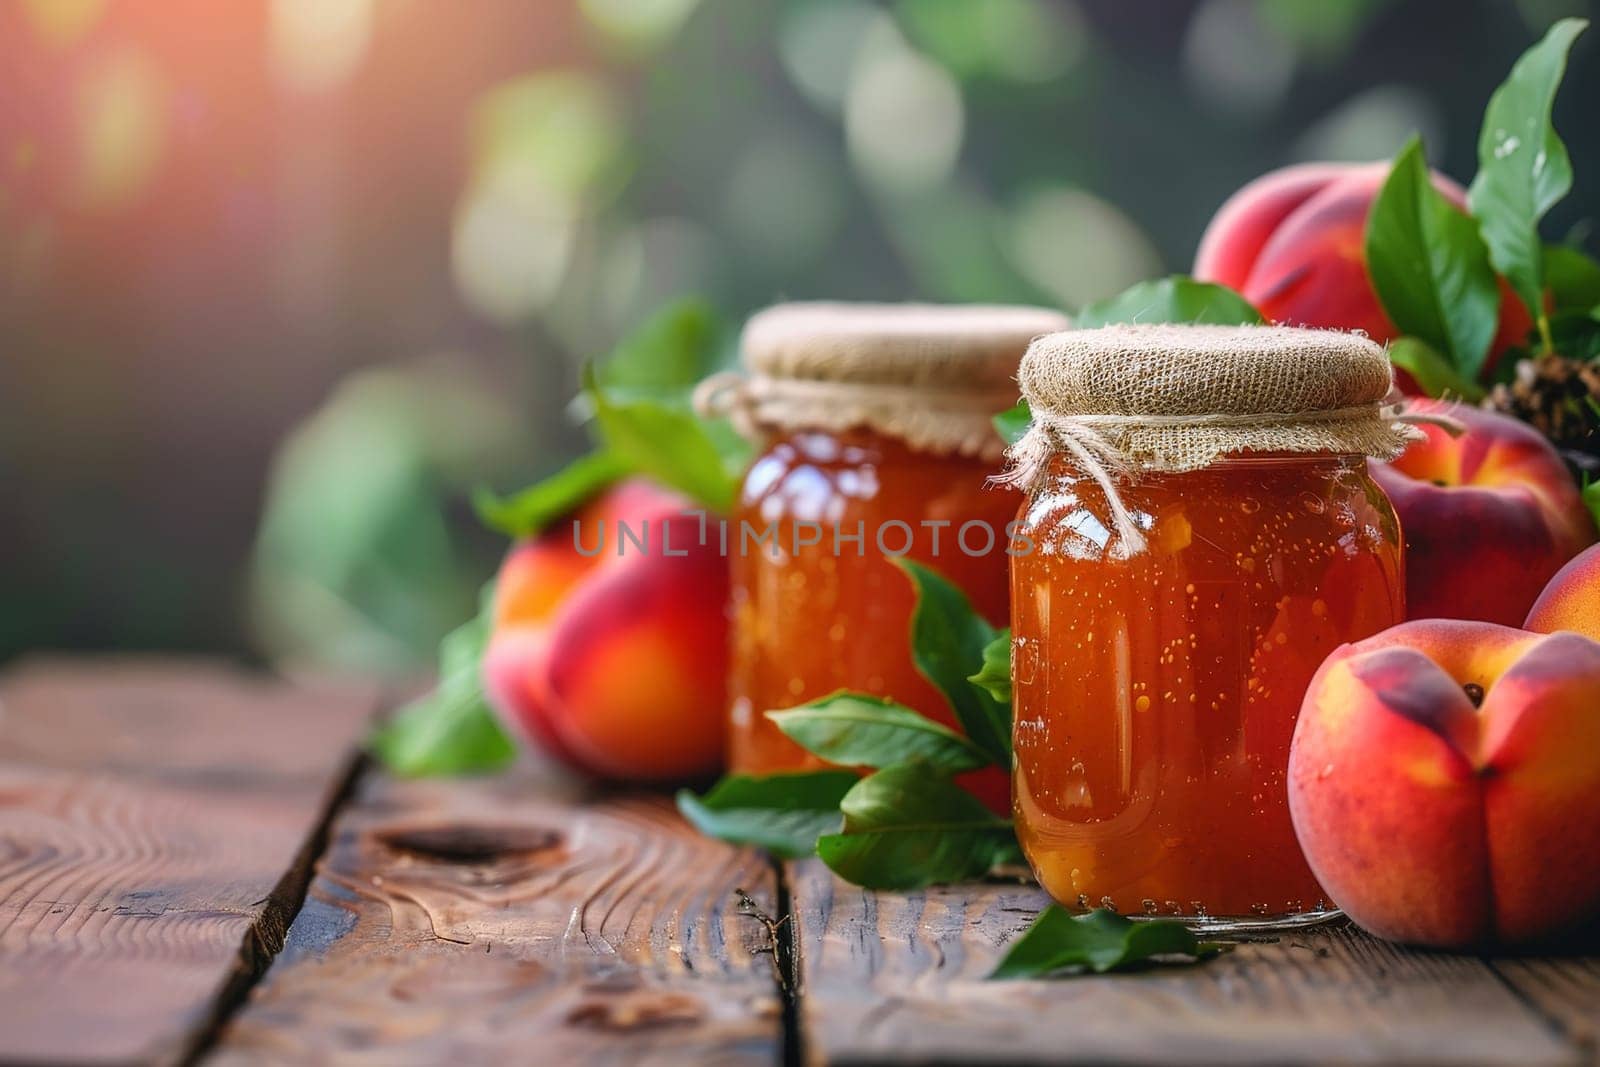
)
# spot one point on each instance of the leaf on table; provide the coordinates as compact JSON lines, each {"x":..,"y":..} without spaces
{"x":1176,"y":298}
{"x":1523,"y":168}
{"x":1098,"y":942}
{"x":452,"y":730}
{"x":1572,"y":278}
{"x":783,"y":813}
{"x":909,"y":826}
{"x":995,"y":676}
{"x":528,"y":512}
{"x":1432,"y":371}
{"x":1429,"y":267}
{"x":857,"y":730}
{"x":948,"y":640}
{"x":1013,"y":422}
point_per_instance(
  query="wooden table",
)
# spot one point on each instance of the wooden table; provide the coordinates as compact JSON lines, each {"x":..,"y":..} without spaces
{"x":195,"y":865}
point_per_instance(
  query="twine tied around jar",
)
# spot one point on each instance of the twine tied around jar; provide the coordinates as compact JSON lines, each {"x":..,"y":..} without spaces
{"x":933,"y":376}
{"x":1120,"y":400}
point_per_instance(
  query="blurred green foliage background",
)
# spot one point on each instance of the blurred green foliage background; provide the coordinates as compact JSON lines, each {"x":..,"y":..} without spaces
{"x":281,"y":281}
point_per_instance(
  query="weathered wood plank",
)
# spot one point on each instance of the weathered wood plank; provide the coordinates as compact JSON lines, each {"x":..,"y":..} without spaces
{"x":900,"y":979}
{"x":151,"y":815}
{"x":1564,"y":991}
{"x":486,"y":921}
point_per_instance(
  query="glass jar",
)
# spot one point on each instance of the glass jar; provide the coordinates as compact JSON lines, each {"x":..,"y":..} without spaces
{"x":875,"y":428}
{"x":811,"y":619}
{"x":1156,"y":691}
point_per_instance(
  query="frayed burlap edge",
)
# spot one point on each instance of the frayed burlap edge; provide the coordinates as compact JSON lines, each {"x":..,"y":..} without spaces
{"x":939,"y":423}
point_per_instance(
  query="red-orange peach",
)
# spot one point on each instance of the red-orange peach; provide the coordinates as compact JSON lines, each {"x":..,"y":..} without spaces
{"x":1293,"y":242}
{"x":1443,"y":781}
{"x":1572,"y":599}
{"x":1488,"y":516}
{"x":610,"y":656}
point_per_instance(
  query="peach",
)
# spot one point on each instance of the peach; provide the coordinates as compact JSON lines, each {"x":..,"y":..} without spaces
{"x":1572,"y":599}
{"x":1293,"y":242}
{"x":609,"y":656}
{"x":1247,"y":220}
{"x":1443,"y":783}
{"x":1488,"y":517}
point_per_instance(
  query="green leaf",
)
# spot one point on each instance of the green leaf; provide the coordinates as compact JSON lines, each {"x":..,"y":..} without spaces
{"x":856,"y":730}
{"x":528,"y":512}
{"x":1098,"y":942}
{"x":1432,"y":371}
{"x":995,"y":676}
{"x":1576,"y":334}
{"x":909,"y":826}
{"x":1172,"y":299}
{"x":1572,"y":277}
{"x":1523,"y":169}
{"x":452,"y":730}
{"x":1591,"y":499}
{"x":670,"y":352}
{"x":948,"y":640}
{"x":1429,"y":266}
{"x":1012,"y":423}
{"x":783,"y":813}
{"x":667,"y":442}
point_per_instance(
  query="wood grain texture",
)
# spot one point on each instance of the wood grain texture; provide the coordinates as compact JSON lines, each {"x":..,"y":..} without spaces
{"x":1564,"y":991}
{"x":483,"y":921}
{"x":900,"y":979}
{"x":151,"y":816}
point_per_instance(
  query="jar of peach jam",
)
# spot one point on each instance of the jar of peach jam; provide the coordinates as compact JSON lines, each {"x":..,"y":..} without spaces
{"x":1202,"y":533}
{"x":877,"y":442}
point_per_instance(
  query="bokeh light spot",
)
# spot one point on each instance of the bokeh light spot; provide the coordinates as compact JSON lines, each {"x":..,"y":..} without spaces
{"x":61,"y":22}
{"x":903,"y":116}
{"x":638,"y":25}
{"x":1077,"y":247}
{"x":122,"y":120}
{"x":1234,"y":60}
{"x":564,"y":131}
{"x":818,"y":45}
{"x":1372,"y":125}
{"x":1019,"y":40}
{"x":547,"y":150}
{"x":510,"y":249}
{"x":316,"y":45}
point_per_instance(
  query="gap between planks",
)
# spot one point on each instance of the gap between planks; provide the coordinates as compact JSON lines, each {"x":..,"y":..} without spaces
{"x":150,"y":811}
{"x":266,"y":936}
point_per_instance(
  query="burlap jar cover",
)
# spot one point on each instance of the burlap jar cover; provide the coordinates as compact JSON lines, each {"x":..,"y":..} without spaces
{"x":933,"y":376}
{"x":1124,"y":399}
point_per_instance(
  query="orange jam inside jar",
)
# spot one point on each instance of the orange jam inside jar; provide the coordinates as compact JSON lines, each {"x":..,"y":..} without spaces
{"x":810,"y":622}
{"x":1156,"y":687}
{"x":876,"y":437}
